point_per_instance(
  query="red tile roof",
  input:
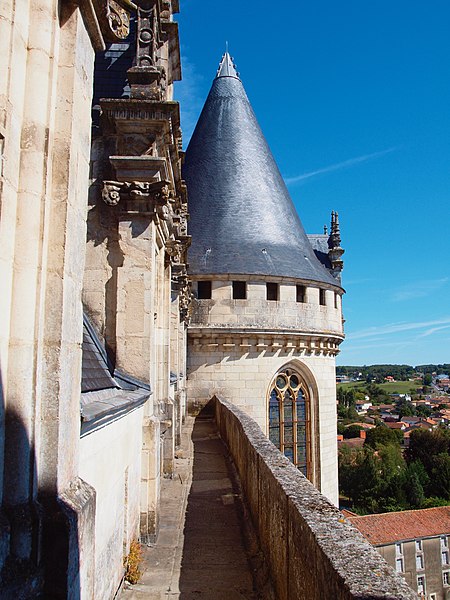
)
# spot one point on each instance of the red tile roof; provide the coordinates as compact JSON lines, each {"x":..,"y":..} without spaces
{"x":352,"y":442}
{"x":387,"y":528}
{"x":396,"y":425}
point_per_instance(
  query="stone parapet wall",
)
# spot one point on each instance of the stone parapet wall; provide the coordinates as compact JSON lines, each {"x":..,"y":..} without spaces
{"x":312,"y":551}
{"x":257,"y":312}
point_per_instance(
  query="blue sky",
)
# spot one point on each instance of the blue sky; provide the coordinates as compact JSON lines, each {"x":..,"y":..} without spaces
{"x":354,"y":100}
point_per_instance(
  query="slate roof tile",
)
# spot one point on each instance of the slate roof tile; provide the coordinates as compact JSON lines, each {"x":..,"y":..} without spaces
{"x":242,"y":219}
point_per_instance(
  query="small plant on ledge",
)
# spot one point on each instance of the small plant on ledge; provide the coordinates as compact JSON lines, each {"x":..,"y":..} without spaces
{"x":132,"y":563}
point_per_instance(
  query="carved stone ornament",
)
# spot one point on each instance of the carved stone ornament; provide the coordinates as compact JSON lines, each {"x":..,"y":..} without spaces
{"x":114,"y":18}
{"x":185,"y":303}
{"x":185,"y":296}
{"x":147,"y":35}
{"x":111,"y":192}
{"x":181,"y":220}
{"x":157,"y":192}
{"x":118,"y":19}
{"x":164,"y":212}
{"x":174,"y":249}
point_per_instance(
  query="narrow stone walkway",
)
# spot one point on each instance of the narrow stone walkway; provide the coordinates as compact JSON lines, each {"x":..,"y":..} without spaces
{"x":200,"y":552}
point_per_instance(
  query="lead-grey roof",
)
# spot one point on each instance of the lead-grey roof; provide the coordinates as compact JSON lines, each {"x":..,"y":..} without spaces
{"x":106,"y":394}
{"x":319,"y":243}
{"x":95,"y":372}
{"x":242,"y":219}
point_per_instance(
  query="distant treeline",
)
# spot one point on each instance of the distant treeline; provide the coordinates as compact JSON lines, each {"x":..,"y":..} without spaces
{"x":439,"y":369}
{"x":398,"y":372}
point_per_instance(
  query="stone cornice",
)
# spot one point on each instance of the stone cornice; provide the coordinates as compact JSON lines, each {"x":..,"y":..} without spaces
{"x":260,"y":340}
{"x":140,"y":110}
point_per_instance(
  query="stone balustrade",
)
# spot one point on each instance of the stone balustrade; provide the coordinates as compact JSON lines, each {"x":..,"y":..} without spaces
{"x":311,"y":550}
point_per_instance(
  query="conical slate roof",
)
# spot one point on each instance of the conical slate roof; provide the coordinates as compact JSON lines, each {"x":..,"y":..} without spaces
{"x":242,"y":219}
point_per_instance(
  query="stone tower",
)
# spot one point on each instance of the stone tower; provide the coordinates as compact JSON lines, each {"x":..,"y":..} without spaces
{"x":266,"y":321}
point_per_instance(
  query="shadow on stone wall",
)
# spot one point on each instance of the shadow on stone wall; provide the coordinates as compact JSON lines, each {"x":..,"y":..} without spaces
{"x":102,"y":229}
{"x":214,"y":561}
{"x":39,"y":554}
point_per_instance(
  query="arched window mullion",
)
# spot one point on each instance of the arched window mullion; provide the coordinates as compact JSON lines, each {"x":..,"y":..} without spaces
{"x":288,"y":418}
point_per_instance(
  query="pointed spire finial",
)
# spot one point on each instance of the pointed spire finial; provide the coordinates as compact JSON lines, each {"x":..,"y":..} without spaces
{"x":334,"y":244}
{"x":227,"y":68}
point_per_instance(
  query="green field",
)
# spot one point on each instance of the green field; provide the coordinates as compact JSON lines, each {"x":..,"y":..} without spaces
{"x":397,"y":387}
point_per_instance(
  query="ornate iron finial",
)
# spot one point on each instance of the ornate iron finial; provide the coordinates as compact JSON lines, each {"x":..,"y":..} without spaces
{"x":227,"y":68}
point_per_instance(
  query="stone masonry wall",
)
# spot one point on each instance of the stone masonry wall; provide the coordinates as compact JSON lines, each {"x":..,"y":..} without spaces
{"x":312,"y":551}
{"x":110,"y":463}
{"x":237,"y":369}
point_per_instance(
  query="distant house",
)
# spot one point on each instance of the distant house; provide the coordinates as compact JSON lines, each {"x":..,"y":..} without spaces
{"x":385,"y":407}
{"x":441,"y":400}
{"x":406,"y":397}
{"x":443,"y":383}
{"x":411,"y":420}
{"x":362,"y":407}
{"x":423,"y":402}
{"x":363,"y":425}
{"x":444,"y":415}
{"x":353,"y":442}
{"x":416,"y":544}
{"x":389,"y":378}
{"x":395,"y":425}
{"x":389,"y":417}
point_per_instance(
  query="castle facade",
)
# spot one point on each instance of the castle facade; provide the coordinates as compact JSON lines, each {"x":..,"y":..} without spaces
{"x":112,"y":324}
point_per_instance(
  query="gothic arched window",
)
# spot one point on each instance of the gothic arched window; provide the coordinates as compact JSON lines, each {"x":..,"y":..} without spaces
{"x":288,"y":418}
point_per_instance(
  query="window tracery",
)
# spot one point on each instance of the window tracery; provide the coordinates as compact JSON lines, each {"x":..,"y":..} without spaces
{"x":289,"y":418}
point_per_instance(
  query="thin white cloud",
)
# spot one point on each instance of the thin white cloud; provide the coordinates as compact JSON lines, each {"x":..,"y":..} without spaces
{"x":394,"y":328}
{"x":419,"y":289}
{"x":338,"y":166}
{"x":432,"y":331}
